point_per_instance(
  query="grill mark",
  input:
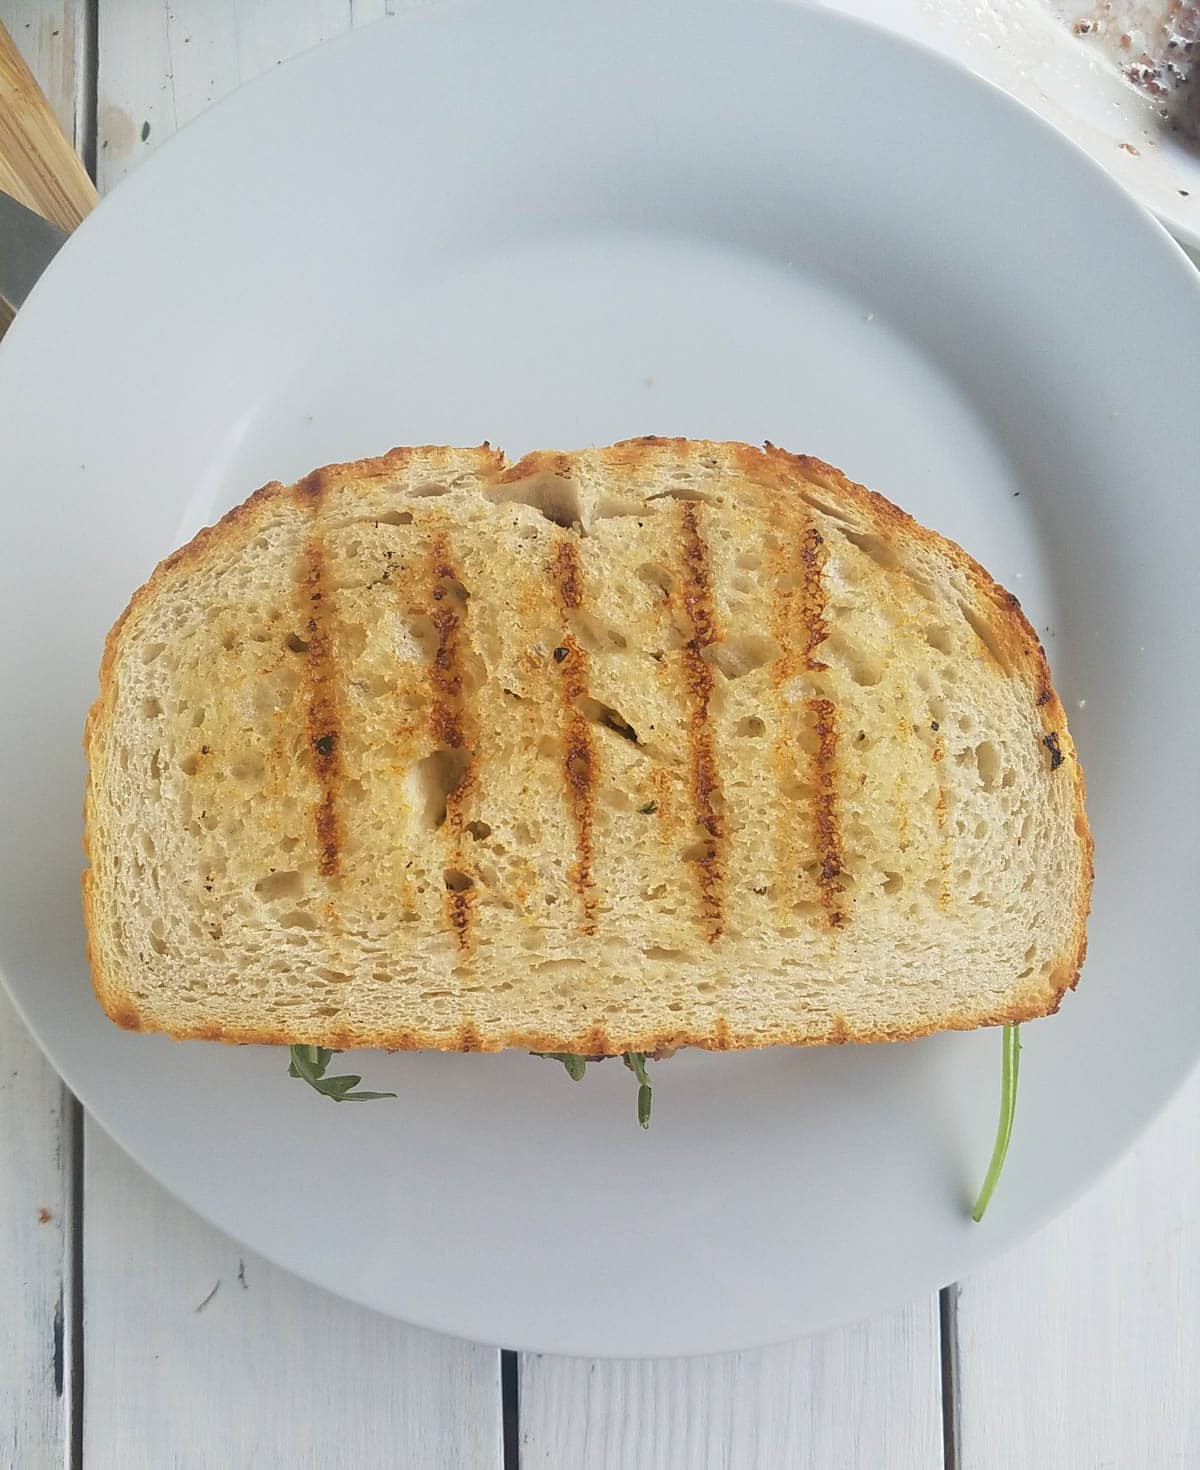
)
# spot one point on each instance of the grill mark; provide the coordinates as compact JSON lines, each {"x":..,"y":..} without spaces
{"x":581,"y":762}
{"x":447,"y":721}
{"x":467,"y":1038}
{"x":799,"y":610}
{"x":941,"y":812}
{"x":568,"y":575}
{"x":800,"y":626}
{"x":323,"y":715}
{"x":826,"y":831}
{"x":696,"y":592}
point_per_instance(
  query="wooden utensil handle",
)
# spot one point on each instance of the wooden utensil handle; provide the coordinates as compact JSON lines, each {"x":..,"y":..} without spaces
{"x":38,"y":166}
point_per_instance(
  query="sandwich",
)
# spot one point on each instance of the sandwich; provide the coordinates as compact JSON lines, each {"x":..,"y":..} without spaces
{"x":670,"y":743}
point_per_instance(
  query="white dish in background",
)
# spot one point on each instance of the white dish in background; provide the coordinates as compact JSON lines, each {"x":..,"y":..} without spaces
{"x":552,"y":225}
{"x":1032,"y":50}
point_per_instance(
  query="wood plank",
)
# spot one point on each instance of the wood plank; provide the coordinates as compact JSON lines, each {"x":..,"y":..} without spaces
{"x":857,"y":1396}
{"x":161,"y":65}
{"x":1082,"y":1347}
{"x":34,"y":1229}
{"x":35,"y":1133}
{"x":52,"y":37}
{"x":232,"y":1362}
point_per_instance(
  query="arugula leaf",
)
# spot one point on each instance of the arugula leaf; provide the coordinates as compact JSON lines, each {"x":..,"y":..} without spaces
{"x":308,"y":1063}
{"x":1009,"y":1073}
{"x":575,"y":1065}
{"x":636,"y":1062}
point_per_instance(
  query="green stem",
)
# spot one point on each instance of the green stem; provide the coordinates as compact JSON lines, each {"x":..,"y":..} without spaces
{"x":1008,"y":1107}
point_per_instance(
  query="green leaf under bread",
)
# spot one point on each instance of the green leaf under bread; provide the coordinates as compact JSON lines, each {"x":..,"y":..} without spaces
{"x":308,"y":1063}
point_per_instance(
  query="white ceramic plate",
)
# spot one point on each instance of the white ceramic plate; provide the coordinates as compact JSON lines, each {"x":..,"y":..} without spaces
{"x":1029,"y":48}
{"x":553,"y":224}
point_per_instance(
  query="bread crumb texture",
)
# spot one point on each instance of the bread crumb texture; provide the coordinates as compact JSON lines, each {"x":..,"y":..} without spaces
{"x":667,"y":743}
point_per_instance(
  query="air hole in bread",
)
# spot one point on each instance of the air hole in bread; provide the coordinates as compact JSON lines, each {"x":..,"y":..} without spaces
{"x":553,"y":496}
{"x":751,"y":728}
{"x":686,"y":492}
{"x":608,"y":507}
{"x":669,"y":956}
{"x":828,"y":508}
{"x":742,"y":654}
{"x":428,"y":490}
{"x":152,"y":651}
{"x":656,"y":576}
{"x":604,"y":714}
{"x":597,"y":637}
{"x":699,"y":852}
{"x":480,"y":831}
{"x":874,"y":547}
{"x":394,"y":518}
{"x":457,"y":881}
{"x":986,"y":635}
{"x":987,"y":762}
{"x":939,"y":638}
{"x":434,"y":780}
{"x":287,"y":884}
{"x":295,"y":644}
{"x":793,"y":789}
{"x":866,"y":669}
{"x":151,"y":709}
{"x":892,"y":882}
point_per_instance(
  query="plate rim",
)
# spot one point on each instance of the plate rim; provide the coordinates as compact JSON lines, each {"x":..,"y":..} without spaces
{"x":826,"y":17}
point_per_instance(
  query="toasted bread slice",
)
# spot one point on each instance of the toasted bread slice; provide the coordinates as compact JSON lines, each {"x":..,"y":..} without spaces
{"x":669,"y":743}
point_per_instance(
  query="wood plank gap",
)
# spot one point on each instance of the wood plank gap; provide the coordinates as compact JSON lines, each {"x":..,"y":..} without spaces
{"x":87,"y":107}
{"x":71,"y":1348}
{"x":510,"y":1400}
{"x":948,"y":1341}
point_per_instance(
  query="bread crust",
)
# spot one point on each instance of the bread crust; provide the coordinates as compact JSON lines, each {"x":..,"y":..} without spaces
{"x":1004,"y":624}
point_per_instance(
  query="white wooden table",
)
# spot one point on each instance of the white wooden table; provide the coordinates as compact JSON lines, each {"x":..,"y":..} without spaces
{"x":133,"y":1336}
